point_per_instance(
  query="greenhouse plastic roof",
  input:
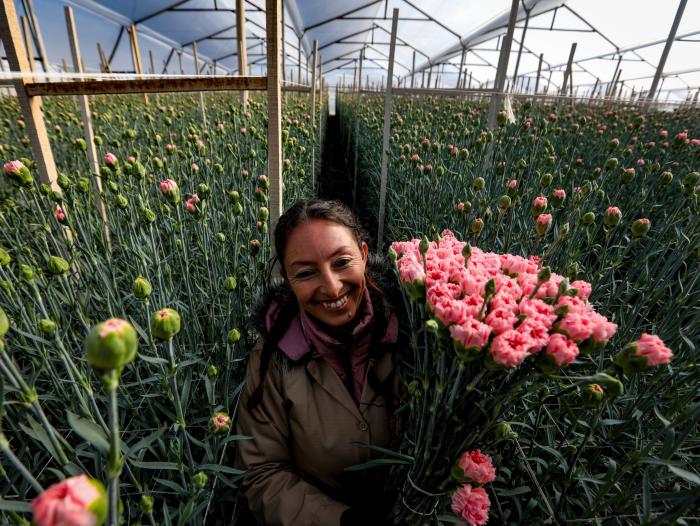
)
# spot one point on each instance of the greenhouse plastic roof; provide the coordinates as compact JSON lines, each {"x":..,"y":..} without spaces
{"x":436,"y":30}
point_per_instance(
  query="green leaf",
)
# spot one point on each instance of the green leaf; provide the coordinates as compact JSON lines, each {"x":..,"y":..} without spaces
{"x":156,"y":465}
{"x":388,"y":452}
{"x":686,"y":475}
{"x":450,"y":518}
{"x":520,"y":490}
{"x":18,"y":506}
{"x":379,"y":462}
{"x":153,"y":359}
{"x":221,"y":469}
{"x":89,"y":431}
{"x":146,"y":441}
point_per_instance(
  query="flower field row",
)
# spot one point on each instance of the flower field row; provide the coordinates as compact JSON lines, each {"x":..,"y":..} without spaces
{"x":187,"y":229}
{"x":609,"y":199}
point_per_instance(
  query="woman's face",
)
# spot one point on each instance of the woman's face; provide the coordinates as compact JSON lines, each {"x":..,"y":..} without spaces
{"x":325,"y":269}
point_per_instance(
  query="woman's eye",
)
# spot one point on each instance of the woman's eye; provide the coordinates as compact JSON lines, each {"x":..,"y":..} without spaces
{"x":343,"y":262}
{"x":303,"y":274}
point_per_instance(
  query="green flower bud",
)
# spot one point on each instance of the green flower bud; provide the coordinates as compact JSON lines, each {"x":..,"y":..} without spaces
{"x":588,"y":218}
{"x":4,"y":257}
{"x":692,"y":179}
{"x":263,"y":214}
{"x":546,"y":180}
{"x":111,"y":344}
{"x":220,"y":423}
{"x":212,"y":372}
{"x":165,"y":324}
{"x":58,"y":265}
{"x":122,"y":202}
{"x":203,"y":190}
{"x":63,"y":181}
{"x":612,"y":217}
{"x":26,"y":272}
{"x":142,"y":288}
{"x":393,"y":256}
{"x":611,"y":385}
{"x":504,"y":203}
{"x":503,"y":431}
{"x":199,"y":480}
{"x":611,"y":163}
{"x":479,"y":184}
{"x":83,"y":185}
{"x":4,"y":323}
{"x":146,"y":504}
{"x":467,"y":252}
{"x":544,"y":275}
{"x":424,"y":245}
{"x":230,"y":283}
{"x":477,"y":226}
{"x":431,"y":325}
{"x":221,"y":237}
{"x":234,"y":335}
{"x":148,"y":215}
{"x":665,"y":178}
{"x":48,"y":327}
{"x":237,"y":209}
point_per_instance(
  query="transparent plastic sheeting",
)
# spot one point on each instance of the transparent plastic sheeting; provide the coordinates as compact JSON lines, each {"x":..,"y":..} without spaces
{"x":343,"y":27}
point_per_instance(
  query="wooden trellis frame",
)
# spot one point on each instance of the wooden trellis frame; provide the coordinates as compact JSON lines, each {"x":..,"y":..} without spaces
{"x":29,"y":93}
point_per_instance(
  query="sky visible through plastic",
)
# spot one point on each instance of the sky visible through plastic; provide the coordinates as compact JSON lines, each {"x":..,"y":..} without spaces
{"x":343,"y":28}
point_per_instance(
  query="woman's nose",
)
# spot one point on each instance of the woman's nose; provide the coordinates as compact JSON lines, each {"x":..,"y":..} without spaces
{"x":332,"y":285}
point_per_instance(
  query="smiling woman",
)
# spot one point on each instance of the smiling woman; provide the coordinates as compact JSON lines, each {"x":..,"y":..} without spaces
{"x":320,"y":383}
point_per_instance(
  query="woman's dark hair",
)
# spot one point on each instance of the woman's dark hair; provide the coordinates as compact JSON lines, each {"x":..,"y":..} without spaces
{"x":299,"y":213}
{"x":304,"y":211}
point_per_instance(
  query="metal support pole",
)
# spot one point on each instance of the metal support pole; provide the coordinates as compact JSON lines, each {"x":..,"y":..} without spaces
{"x":274,"y":110}
{"x":667,"y":49}
{"x":28,"y":43}
{"x":567,"y":73}
{"x":522,"y":42}
{"x":539,"y":72}
{"x":314,"y":61}
{"x":86,"y":116}
{"x":298,"y":60}
{"x":362,"y":57}
{"x":413,"y":69}
{"x":34,"y":24}
{"x":608,"y":91}
{"x":461,"y":66}
{"x":502,"y":66}
{"x":242,"y":49}
{"x":387,"y":131}
{"x":320,"y":104}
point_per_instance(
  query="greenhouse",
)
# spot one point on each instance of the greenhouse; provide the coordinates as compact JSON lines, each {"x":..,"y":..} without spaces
{"x":370,"y":262}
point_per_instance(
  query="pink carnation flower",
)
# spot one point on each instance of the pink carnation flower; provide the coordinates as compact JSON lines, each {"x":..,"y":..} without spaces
{"x":559,"y":193}
{"x":537,"y":331}
{"x":13,"y":167}
{"x":540,"y":202}
{"x":501,"y":320}
{"x":110,"y":158}
{"x":471,"y":333}
{"x":563,"y":350}
{"x":584,"y":289}
{"x":577,"y":326}
{"x":512,"y":184}
{"x":59,"y":214}
{"x":471,"y":504}
{"x":477,"y":467}
{"x":653,"y":348}
{"x":68,"y":503}
{"x":510,"y":348}
{"x":603,"y":329}
{"x":168,"y":186}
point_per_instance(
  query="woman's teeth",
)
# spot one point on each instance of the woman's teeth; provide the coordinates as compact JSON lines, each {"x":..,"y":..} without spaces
{"x":335,"y":304}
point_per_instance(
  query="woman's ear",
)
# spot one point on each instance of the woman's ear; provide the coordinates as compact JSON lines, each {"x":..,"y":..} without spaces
{"x":365,"y":250}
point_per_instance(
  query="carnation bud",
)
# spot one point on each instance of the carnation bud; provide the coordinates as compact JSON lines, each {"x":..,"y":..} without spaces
{"x":503,"y":430}
{"x":203,"y":190}
{"x":546,"y":180}
{"x":592,"y":395}
{"x":612,"y":217}
{"x":564,"y":230}
{"x":640,"y":227}
{"x":611,"y":385}
{"x":220,"y":423}
{"x":4,"y":323}
{"x":467,"y":252}
{"x":477,"y":226}
{"x":479,"y":184}
{"x":543,"y":224}
{"x":544,"y":275}
{"x":48,"y":327}
{"x":588,"y":218}
{"x":146,"y":504}
{"x":230,"y":283}
{"x":611,"y":163}
{"x":393,"y":256}
{"x":234,"y":335}
{"x":165,"y":324}
{"x":665,"y":178}
{"x":111,"y":344}
{"x":263,"y":214}
{"x":627,"y":175}
{"x":26,"y":272}
{"x":148,"y":215}
{"x":200,"y":479}
{"x":504,"y":203}
{"x":424,"y":245}
{"x":254,"y":247}
{"x":431,"y":325}
{"x":58,"y":265}
{"x":692,"y":179}
{"x":4,"y":257}
{"x":142,"y":288}
{"x":490,"y":287}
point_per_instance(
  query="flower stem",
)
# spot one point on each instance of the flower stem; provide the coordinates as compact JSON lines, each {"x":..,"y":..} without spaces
{"x":114,"y":463}
{"x":17,"y":463}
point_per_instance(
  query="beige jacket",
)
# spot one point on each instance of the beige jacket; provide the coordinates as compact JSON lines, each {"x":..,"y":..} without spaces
{"x":306,"y":431}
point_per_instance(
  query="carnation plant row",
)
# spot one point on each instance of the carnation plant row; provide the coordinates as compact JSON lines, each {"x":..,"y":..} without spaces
{"x":124,"y":343}
{"x":549,"y":268}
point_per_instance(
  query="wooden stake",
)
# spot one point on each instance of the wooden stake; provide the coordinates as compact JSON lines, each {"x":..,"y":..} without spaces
{"x":274,"y":113}
{"x":202,"y":105}
{"x":31,"y":106}
{"x":320,"y":104}
{"x":105,"y":61}
{"x":242,"y":49}
{"x":136,"y":55}
{"x":87,"y":123}
{"x":34,"y":23}
{"x":387,"y":131}
{"x":28,"y":43}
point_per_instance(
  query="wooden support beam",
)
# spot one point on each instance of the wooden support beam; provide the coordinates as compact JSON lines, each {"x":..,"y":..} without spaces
{"x":386,"y":133}
{"x":274,"y":113}
{"x":136,"y":55}
{"x":313,"y":115}
{"x":320,"y":104}
{"x":502,"y":70}
{"x":103,"y":58}
{"x":117,"y":87}
{"x":202,"y":105}
{"x":11,"y":36}
{"x":29,"y":50}
{"x":86,"y":117}
{"x":242,"y":49}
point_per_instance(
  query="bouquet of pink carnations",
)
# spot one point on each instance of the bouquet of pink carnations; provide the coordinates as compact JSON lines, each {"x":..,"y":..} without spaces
{"x":486,"y":328}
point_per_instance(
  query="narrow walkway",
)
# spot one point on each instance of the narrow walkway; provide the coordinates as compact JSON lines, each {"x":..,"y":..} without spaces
{"x":335,"y":181}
